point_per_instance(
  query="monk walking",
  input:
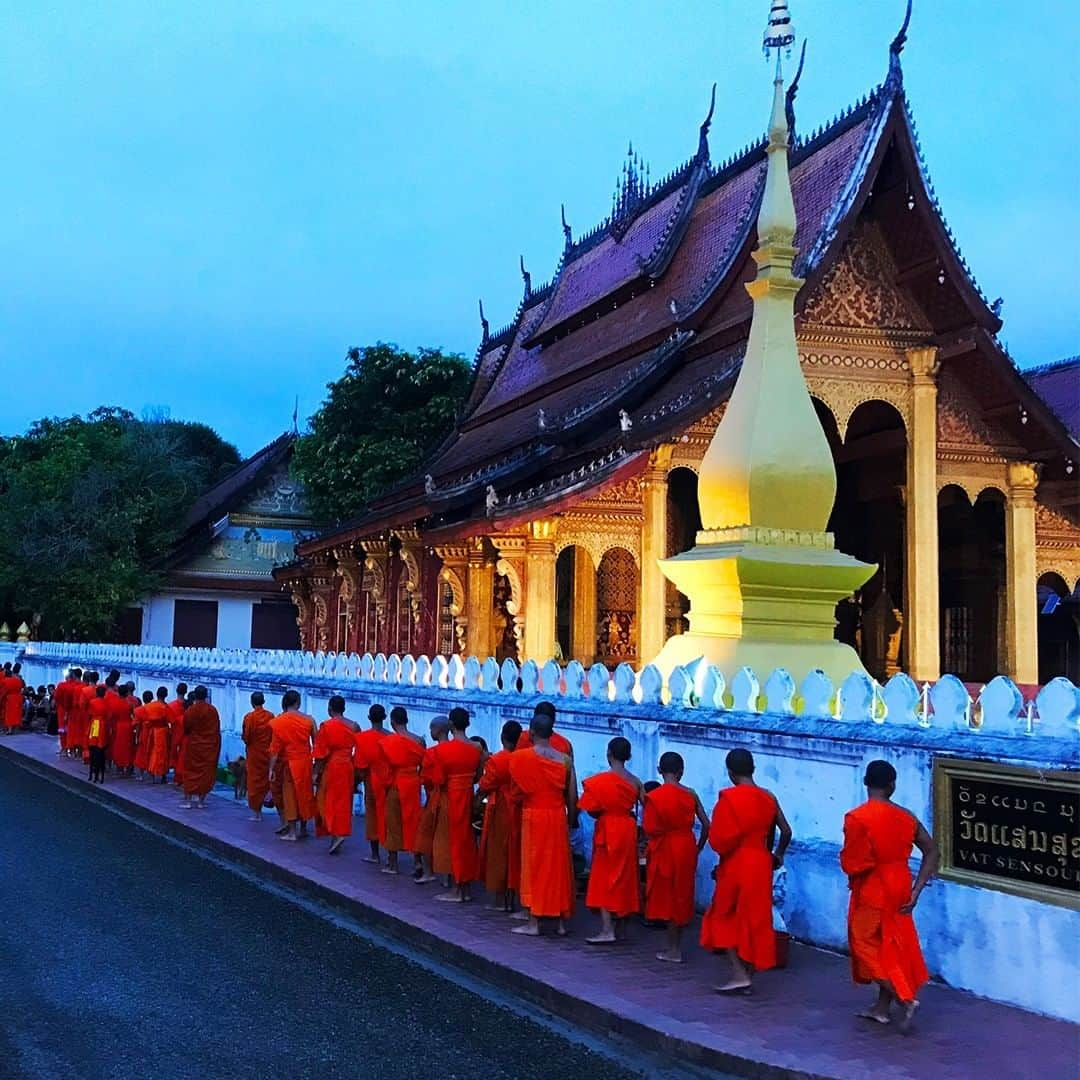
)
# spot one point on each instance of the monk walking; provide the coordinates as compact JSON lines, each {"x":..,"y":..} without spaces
{"x":557,"y":742}
{"x":97,"y":735}
{"x":433,"y":833}
{"x":672,"y":854}
{"x":176,"y":732}
{"x":256,"y":734}
{"x":335,"y":782}
{"x":500,"y":839}
{"x":290,"y":756}
{"x":404,"y":754}
{"x":63,"y":696}
{"x":545,"y":781}
{"x":142,"y":736}
{"x":459,"y":758}
{"x":157,"y":724}
{"x":372,"y":772}
{"x":13,"y":698}
{"x":878,"y":838}
{"x":612,"y":798}
{"x":202,"y":749}
{"x":121,"y":721}
{"x":739,"y":919}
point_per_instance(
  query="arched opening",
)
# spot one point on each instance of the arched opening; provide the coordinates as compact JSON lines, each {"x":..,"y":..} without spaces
{"x":1059,"y":629}
{"x":868,"y":523}
{"x":504,"y":622}
{"x":971,"y":568}
{"x":575,"y":605}
{"x":616,"y":608}
{"x":683,"y":525}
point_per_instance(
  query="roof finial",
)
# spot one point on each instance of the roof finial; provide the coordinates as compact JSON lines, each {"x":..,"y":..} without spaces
{"x":896,"y":72}
{"x":568,"y":236}
{"x":780,"y":33}
{"x":703,"y":133}
{"x":484,"y":324}
{"x":792,"y":90}
{"x":526,"y":277}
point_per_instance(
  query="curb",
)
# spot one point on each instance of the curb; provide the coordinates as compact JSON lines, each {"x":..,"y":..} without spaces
{"x":598,"y":1021}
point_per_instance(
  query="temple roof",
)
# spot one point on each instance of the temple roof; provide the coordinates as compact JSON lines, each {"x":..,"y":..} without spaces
{"x":1058,"y":384}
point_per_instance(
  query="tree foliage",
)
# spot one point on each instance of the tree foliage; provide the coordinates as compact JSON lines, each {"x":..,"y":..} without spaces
{"x":378,"y":423}
{"x":89,"y":506}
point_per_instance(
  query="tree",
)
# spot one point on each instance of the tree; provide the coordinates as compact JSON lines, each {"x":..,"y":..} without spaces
{"x":379,"y":421}
{"x":90,"y":505}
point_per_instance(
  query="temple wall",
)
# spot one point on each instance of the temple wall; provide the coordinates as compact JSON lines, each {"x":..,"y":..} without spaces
{"x":1003,"y":946}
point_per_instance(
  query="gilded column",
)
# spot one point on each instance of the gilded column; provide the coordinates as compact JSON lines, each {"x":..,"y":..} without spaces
{"x":539,"y":642}
{"x":651,"y":634}
{"x":1021,"y":620}
{"x":478,"y":601}
{"x":921,"y":579}
{"x":583,"y":609}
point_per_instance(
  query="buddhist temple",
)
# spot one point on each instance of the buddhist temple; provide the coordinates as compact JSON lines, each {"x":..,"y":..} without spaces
{"x":537,"y":528}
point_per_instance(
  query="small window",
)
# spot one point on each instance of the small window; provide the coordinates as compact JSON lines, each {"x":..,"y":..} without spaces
{"x":195,"y":623}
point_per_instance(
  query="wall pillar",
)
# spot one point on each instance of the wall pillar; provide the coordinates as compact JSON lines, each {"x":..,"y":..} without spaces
{"x":922,"y":613}
{"x":653,"y":590}
{"x":540,"y":599}
{"x":1021,"y":620}
{"x":478,"y":600}
{"x":583,"y":613}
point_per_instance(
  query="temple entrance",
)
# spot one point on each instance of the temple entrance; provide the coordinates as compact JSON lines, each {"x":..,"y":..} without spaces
{"x":1059,"y":629}
{"x":683,"y":525}
{"x":575,"y":605}
{"x":971,"y":565}
{"x":868,"y":523}
{"x":617,"y":581}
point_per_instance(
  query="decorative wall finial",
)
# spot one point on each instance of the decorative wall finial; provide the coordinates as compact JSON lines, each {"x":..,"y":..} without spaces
{"x":780,"y":33}
{"x":703,"y":133}
{"x":792,"y":90}
{"x":526,"y":277}
{"x":484,"y":324}
{"x":896,"y":72}
{"x":567,"y":235}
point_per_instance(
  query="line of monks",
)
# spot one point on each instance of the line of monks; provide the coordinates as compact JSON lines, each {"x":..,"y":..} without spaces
{"x":11,"y":698}
{"x":504,"y":819}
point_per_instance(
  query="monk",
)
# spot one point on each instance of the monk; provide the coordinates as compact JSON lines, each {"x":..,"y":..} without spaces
{"x":176,"y":732}
{"x":256,"y":734}
{"x":63,"y":696}
{"x":739,"y":919}
{"x":433,"y":833}
{"x":157,"y":727}
{"x":500,"y":838}
{"x":459,"y":758}
{"x":335,"y":784}
{"x":612,"y":799}
{"x":545,"y":782}
{"x":121,"y":720}
{"x":372,"y":772}
{"x":557,"y":741}
{"x":97,"y":735}
{"x":142,"y":736}
{"x":5,"y":672}
{"x":13,"y":699}
{"x":403,"y":751}
{"x":672,"y":853}
{"x":89,"y":692}
{"x":202,"y":749}
{"x":878,"y":838}
{"x":293,"y":733}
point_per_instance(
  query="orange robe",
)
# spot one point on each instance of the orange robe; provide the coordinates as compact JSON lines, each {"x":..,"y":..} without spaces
{"x":335,"y":743}
{"x":87,"y":696}
{"x":293,"y":733}
{"x":256,"y":734}
{"x":202,"y":748}
{"x":97,"y":731}
{"x":547,"y":876}
{"x":557,"y":742}
{"x":13,"y":701}
{"x":123,"y":731}
{"x":614,"y":882}
{"x":157,"y":738}
{"x":500,"y":841}
{"x":62,"y":698}
{"x":369,"y":759}
{"x":176,"y":738}
{"x":672,"y":855}
{"x":740,"y":915}
{"x":142,"y":738}
{"x":459,"y":760}
{"x":433,"y":834}
{"x":403,"y":755}
{"x":878,"y":838}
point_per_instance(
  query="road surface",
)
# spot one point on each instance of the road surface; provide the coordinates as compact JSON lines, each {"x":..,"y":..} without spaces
{"x":124,"y":955}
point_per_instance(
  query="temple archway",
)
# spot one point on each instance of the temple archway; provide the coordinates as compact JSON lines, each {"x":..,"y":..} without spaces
{"x":971,"y":568}
{"x":617,"y":581}
{"x":683,"y":525}
{"x":575,"y":604}
{"x":1059,"y":629}
{"x":868,"y":522}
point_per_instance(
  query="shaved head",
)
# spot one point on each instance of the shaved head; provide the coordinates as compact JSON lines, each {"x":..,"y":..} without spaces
{"x":440,"y":727}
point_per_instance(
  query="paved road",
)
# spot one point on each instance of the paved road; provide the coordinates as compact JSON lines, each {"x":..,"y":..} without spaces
{"x":123,"y":955}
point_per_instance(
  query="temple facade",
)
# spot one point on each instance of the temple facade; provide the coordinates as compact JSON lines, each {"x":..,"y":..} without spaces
{"x":535,"y":530}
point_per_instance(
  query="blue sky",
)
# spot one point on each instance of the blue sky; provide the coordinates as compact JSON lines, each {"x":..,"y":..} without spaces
{"x":205,"y":204}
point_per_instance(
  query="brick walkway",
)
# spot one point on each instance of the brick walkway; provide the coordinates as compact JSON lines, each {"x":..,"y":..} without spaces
{"x":800,"y":1021}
